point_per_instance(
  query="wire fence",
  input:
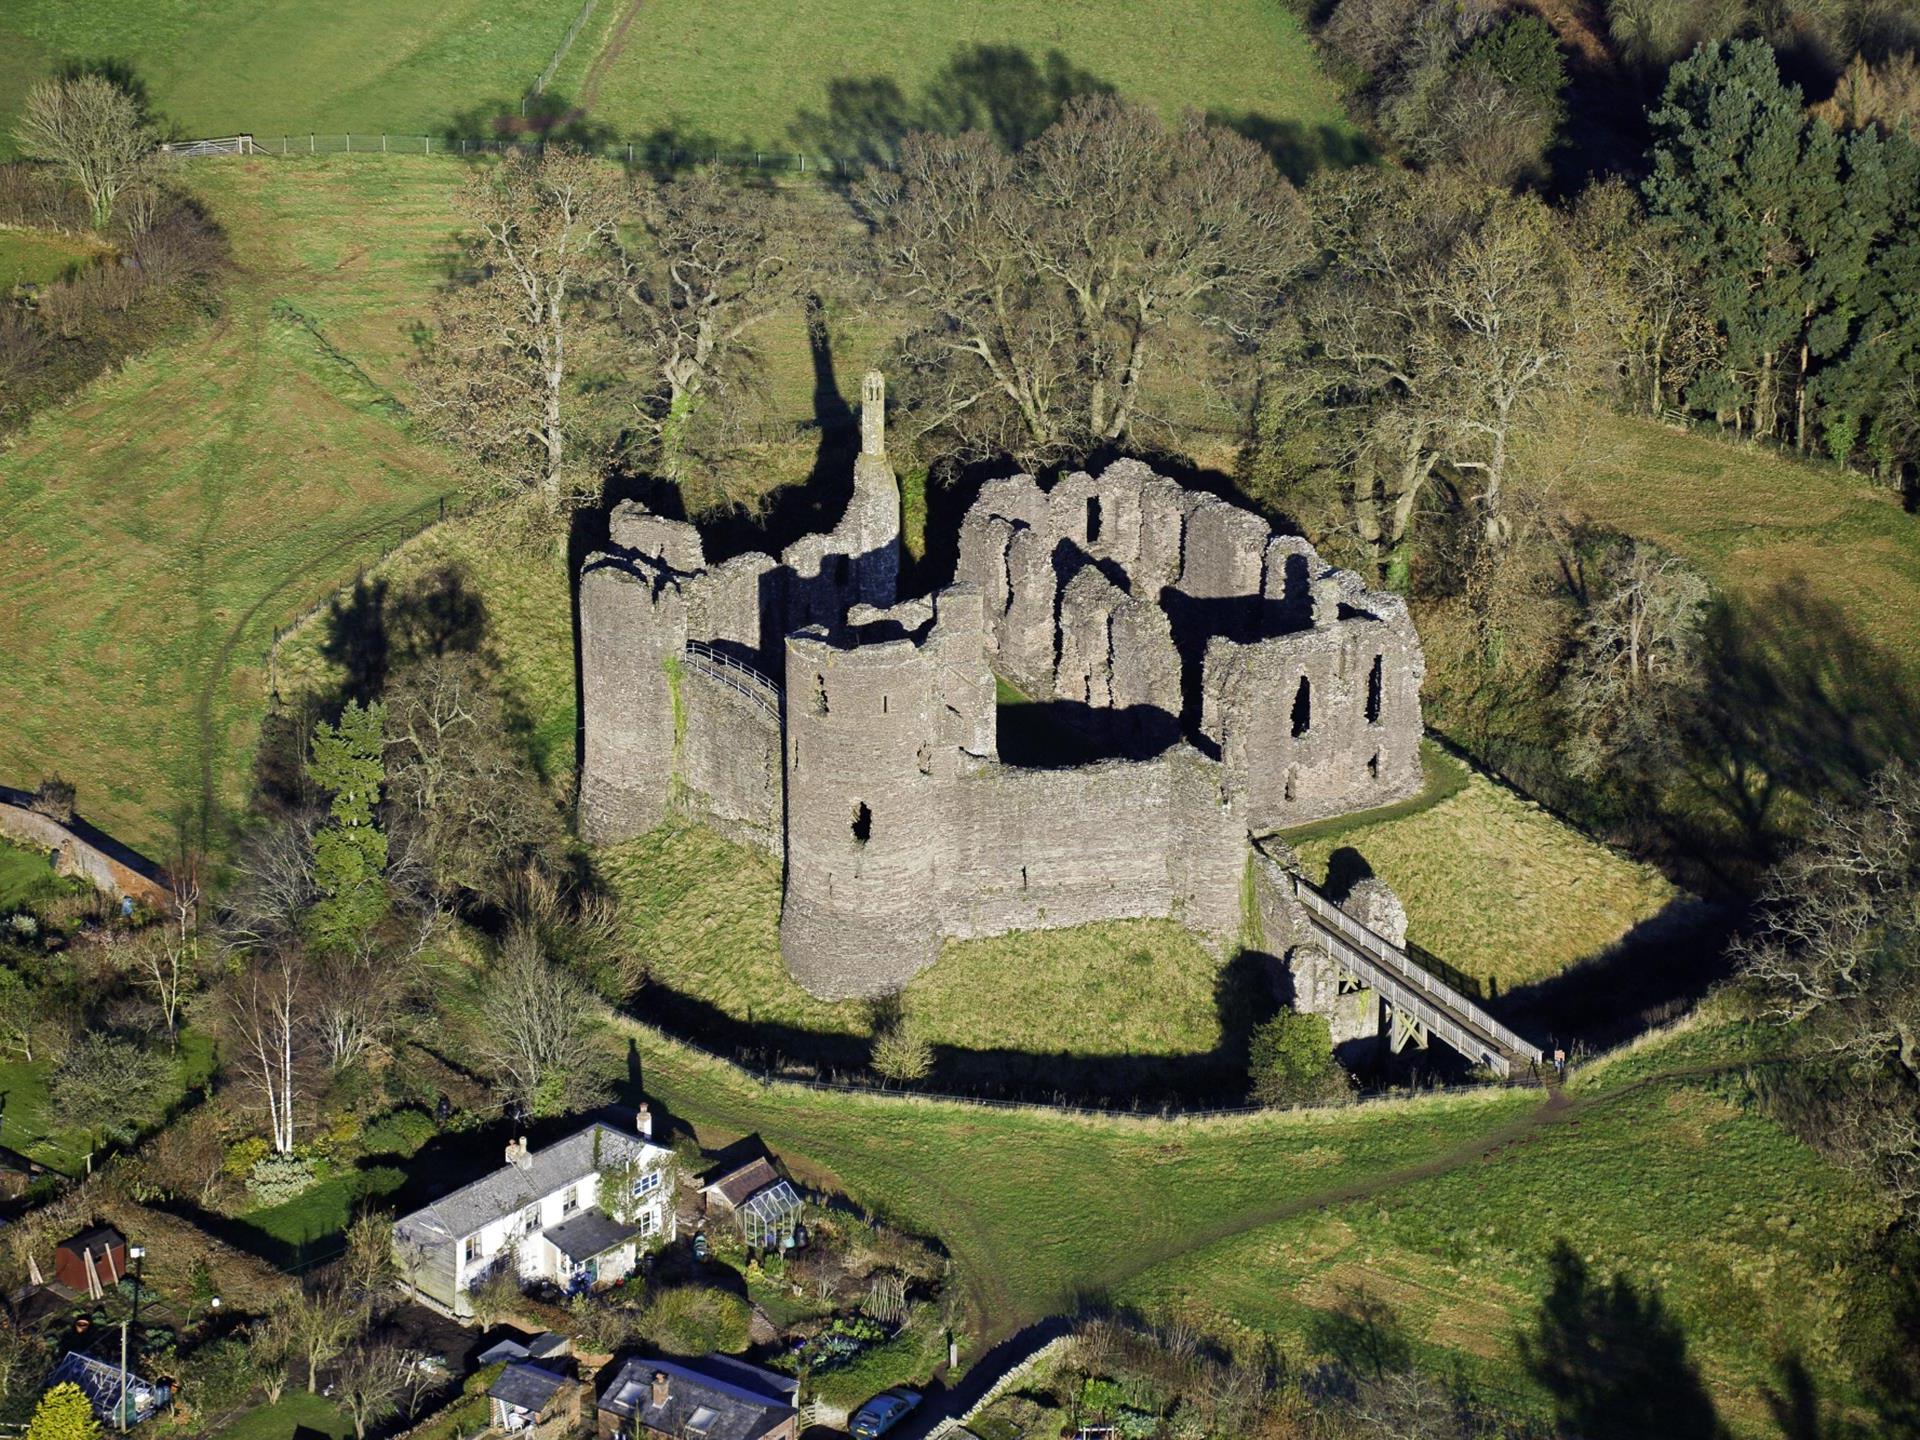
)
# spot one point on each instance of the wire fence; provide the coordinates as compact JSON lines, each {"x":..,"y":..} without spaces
{"x":632,"y":154}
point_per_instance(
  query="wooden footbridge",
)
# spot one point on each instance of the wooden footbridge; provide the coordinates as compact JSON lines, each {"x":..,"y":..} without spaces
{"x":1420,"y":1006}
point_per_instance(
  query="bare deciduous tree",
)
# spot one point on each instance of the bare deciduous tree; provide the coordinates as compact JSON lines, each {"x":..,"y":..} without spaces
{"x":273,"y":886}
{"x":92,"y":131}
{"x":1049,"y":279}
{"x":469,"y":808}
{"x":265,"y":1008}
{"x":325,"y":1321}
{"x":715,"y":259}
{"x":536,"y":1029}
{"x":356,"y":1005}
{"x":1442,"y":320}
{"x":1839,"y":959}
{"x":1639,"y":669}
{"x":515,"y":331}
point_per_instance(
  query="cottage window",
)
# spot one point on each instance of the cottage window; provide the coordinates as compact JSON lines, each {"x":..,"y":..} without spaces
{"x":648,"y":1221}
{"x":645,"y":1183}
{"x":570,"y":1201}
{"x":530,"y":1220}
{"x":473,"y":1249}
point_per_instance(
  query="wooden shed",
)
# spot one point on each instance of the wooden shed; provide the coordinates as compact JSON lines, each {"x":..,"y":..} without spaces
{"x":101,"y":1250}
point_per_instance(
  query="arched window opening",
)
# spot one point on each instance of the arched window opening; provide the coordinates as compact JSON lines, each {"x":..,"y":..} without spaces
{"x":862,"y":822}
{"x":1376,"y":686}
{"x":1093,"y":518}
{"x":1303,"y":708}
{"x":1373,"y":766}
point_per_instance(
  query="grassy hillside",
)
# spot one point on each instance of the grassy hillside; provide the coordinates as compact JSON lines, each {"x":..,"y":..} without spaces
{"x":749,"y":74}
{"x":1818,"y":556}
{"x":1444,"y":1209}
{"x":162,"y":524}
{"x":1494,"y":885}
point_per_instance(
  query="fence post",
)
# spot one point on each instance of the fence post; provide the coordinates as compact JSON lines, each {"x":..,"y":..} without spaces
{"x":349,"y":142}
{"x":428,"y":141}
{"x":383,"y":142}
{"x":310,"y":144}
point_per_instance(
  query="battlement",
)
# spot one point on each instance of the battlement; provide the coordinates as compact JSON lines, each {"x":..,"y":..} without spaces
{"x":1224,"y":680}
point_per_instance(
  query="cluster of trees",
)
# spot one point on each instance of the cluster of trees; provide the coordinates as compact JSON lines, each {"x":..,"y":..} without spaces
{"x":1805,"y":248}
{"x":410,"y":812}
{"x":98,"y":173}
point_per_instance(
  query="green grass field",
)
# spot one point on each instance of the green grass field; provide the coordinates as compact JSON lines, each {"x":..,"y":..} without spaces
{"x":25,"y":1126}
{"x":744,"y":73}
{"x":1764,"y":527}
{"x":24,"y":873}
{"x":296,"y":1415}
{"x":1494,"y":885}
{"x":168,"y":519}
{"x":1445,"y":1208}
{"x":38,"y":257}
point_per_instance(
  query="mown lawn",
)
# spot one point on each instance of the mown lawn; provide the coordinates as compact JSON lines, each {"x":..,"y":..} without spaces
{"x":24,"y":1122}
{"x":296,"y":1415}
{"x":745,"y":73}
{"x":1444,"y":1208}
{"x":165,"y":522}
{"x":24,"y":873}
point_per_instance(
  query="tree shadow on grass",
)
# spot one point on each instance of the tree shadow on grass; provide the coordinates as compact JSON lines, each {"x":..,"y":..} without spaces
{"x":1299,"y":150}
{"x":1614,"y":1359}
{"x":1000,"y":89}
{"x":1803,"y":707}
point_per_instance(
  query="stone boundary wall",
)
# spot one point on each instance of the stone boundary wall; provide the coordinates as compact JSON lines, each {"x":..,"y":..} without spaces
{"x":79,"y":849}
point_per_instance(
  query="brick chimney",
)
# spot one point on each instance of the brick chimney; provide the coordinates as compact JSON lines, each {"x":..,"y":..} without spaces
{"x":643,"y":1121}
{"x":660,"y":1388}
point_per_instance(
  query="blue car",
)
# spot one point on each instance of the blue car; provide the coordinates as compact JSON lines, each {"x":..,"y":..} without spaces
{"x":882,"y":1413}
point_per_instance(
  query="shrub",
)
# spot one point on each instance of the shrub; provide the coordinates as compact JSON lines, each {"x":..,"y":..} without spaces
{"x":219,"y":1376}
{"x":902,"y":1053}
{"x":276,"y":1179}
{"x":53,"y":797}
{"x":1290,"y":1061}
{"x":398,"y":1132}
{"x":695,"y":1319}
{"x":63,"y":1414}
{"x":243,"y":1155}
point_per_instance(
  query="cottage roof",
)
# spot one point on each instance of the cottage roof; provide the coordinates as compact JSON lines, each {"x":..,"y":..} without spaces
{"x":511,"y":1188}
{"x":590,"y":1233}
{"x":526,"y":1386}
{"x":712,"y":1406}
{"x":736,"y":1185}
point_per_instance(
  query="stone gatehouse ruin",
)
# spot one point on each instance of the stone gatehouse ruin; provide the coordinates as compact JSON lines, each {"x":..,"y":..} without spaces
{"x":1226,"y":681}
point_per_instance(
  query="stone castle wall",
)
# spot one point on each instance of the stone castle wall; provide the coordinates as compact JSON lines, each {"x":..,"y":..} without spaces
{"x":1236,"y":683}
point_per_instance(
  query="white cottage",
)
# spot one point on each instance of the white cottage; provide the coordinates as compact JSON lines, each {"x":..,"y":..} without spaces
{"x":542,"y":1213}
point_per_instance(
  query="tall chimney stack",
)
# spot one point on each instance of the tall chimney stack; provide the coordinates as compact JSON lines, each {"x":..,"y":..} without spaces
{"x":643,"y":1121}
{"x":660,"y":1388}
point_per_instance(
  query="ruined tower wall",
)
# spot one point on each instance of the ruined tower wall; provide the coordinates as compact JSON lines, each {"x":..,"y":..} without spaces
{"x":861,"y":910}
{"x":1318,"y":722}
{"x":633,"y":626}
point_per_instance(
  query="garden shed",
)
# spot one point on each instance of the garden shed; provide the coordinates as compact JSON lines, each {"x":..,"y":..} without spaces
{"x":92,"y":1261}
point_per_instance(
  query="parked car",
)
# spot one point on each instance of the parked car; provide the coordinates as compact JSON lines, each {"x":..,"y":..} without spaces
{"x":882,"y":1413}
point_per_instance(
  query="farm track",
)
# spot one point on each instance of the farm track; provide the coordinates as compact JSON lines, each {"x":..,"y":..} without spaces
{"x":610,"y":52}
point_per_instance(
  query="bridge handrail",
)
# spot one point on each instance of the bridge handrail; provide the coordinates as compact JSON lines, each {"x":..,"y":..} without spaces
{"x":1480,"y":1048}
{"x":737,"y":676}
{"x":1387,"y":955}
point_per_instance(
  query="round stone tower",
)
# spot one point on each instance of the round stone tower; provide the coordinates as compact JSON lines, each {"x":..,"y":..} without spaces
{"x":862,"y":909}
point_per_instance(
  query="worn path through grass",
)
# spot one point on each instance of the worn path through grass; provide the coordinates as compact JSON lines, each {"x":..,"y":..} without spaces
{"x":164,"y":522}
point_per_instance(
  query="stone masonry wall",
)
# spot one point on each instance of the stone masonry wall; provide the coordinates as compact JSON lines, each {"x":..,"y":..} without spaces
{"x":1238,"y":683}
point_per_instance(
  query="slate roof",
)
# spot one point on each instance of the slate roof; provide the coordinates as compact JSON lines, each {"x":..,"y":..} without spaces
{"x":714,"y":1406}
{"x":737,"y":1185}
{"x":526,"y":1386}
{"x":510,"y":1188}
{"x":590,"y":1233}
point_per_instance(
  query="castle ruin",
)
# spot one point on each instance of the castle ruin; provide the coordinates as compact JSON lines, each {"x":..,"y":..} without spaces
{"x":1233,"y":683}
